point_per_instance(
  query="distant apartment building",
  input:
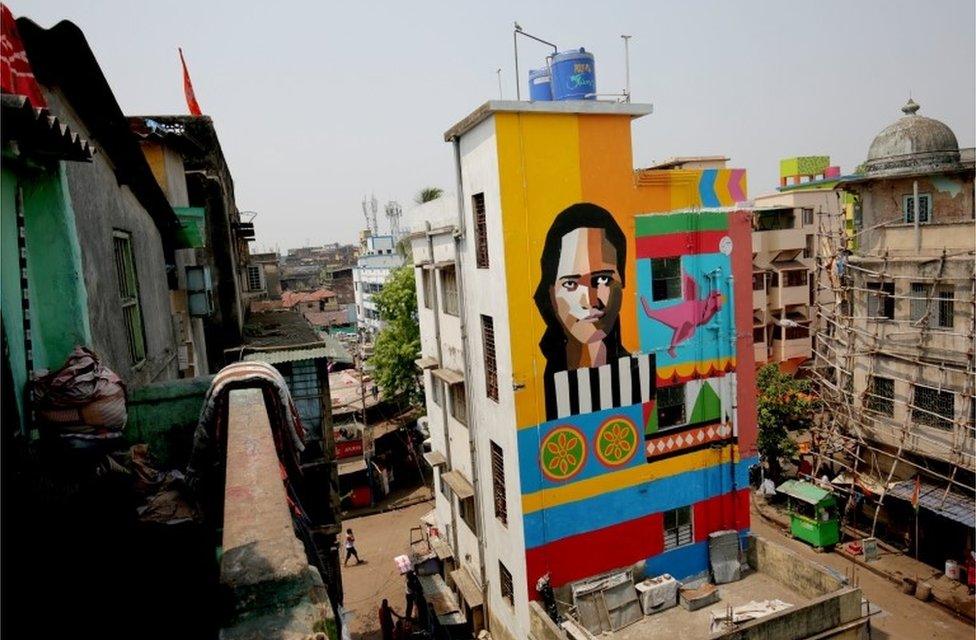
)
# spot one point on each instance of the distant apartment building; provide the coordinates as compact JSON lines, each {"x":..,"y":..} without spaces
{"x":590,"y":399}
{"x":894,"y":352}
{"x":377,"y":260}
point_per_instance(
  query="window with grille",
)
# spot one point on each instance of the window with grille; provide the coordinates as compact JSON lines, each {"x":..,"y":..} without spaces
{"x":505,"y":584}
{"x":125,"y":269}
{"x":881,"y":395}
{"x":498,"y":482}
{"x":924,"y":208}
{"x":480,"y":230}
{"x":255,"y":279}
{"x":677,"y":528}
{"x":933,"y":408}
{"x":665,"y":278}
{"x":795,"y":278}
{"x":670,"y":406}
{"x":491,"y":370}
{"x":435,"y":391}
{"x":459,"y":406}
{"x":919,"y":304}
{"x":947,"y":308}
{"x":881,"y":301}
{"x":807,"y":217}
{"x":449,"y":291}
{"x":758,"y":281}
{"x":427,"y":278}
{"x":467,"y":512}
{"x":808,"y":246}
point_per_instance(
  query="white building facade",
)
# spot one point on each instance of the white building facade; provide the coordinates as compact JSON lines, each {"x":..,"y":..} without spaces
{"x":373,"y":268}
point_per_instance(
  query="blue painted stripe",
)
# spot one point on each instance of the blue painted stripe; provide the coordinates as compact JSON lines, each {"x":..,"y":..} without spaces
{"x":629,"y":503}
{"x":530,"y":439}
{"x":706,"y":188}
{"x":684,"y":562}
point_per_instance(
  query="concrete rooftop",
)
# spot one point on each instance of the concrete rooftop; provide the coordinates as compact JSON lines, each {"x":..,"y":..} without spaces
{"x":591,"y":107}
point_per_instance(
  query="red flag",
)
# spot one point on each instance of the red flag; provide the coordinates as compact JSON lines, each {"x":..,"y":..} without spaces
{"x":915,"y":493}
{"x":16,"y":75}
{"x":191,"y":99}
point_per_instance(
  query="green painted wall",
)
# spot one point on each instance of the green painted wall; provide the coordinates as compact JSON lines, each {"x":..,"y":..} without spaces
{"x":163,"y":415}
{"x":58,"y":299}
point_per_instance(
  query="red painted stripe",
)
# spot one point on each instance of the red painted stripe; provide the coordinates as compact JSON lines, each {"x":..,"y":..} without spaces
{"x":727,"y":511}
{"x":679,"y":244}
{"x":594,"y":552}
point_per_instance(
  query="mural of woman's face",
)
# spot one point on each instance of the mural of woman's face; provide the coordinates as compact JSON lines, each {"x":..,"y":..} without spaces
{"x":587,"y":292}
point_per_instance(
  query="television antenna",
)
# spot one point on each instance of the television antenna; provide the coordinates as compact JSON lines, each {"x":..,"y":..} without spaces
{"x":393,"y":213}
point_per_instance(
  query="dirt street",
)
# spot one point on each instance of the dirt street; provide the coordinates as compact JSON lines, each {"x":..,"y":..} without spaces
{"x":379,"y":538}
{"x":902,"y":617}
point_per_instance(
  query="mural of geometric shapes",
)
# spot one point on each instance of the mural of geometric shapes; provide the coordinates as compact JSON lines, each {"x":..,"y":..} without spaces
{"x":563,"y":453}
{"x":707,"y":405}
{"x":616,"y":441}
{"x":700,"y":403}
{"x":672,"y":443}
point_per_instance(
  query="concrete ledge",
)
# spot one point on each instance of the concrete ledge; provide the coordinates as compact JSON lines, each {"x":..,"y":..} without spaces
{"x":264,"y":566}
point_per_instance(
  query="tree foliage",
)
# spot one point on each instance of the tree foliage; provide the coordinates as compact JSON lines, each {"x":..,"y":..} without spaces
{"x":784,"y":404}
{"x":427,"y":194}
{"x":398,"y":344}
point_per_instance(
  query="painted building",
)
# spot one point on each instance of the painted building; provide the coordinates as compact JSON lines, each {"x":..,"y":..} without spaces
{"x":590,"y":397}
{"x":377,"y":260}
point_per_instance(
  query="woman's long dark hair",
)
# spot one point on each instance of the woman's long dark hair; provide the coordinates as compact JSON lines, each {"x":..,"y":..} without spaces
{"x":583,"y":215}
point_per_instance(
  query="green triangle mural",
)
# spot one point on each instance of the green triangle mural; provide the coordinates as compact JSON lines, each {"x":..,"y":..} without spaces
{"x":708,"y":406}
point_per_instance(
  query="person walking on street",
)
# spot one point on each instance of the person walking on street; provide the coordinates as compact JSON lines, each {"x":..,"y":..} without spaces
{"x":351,"y":548}
{"x":413,"y":593}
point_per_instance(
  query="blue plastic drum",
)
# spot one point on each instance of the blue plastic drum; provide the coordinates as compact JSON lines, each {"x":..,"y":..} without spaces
{"x":573,"y":75}
{"x":539,"y":86}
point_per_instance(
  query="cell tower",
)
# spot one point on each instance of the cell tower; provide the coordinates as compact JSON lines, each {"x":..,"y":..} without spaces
{"x":370,"y":208}
{"x":393,"y":213}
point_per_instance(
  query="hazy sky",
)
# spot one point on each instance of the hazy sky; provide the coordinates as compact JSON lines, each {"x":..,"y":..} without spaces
{"x":319,"y":103}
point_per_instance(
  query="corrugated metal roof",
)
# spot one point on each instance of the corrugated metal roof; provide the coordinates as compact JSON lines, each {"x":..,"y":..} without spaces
{"x":953,"y":505}
{"x":277,"y":357}
{"x":804,"y":491}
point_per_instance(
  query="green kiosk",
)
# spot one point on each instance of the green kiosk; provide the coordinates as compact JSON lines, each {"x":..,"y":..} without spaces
{"x":813,"y":513}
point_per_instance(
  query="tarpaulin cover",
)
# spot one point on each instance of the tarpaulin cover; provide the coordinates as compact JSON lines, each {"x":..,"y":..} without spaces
{"x":723,"y":555}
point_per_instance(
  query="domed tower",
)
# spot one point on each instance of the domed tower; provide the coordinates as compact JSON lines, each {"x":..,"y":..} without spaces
{"x":898,"y":345}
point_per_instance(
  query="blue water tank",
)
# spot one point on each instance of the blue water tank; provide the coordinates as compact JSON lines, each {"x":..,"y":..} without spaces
{"x":573,"y":75}
{"x":539,"y":86}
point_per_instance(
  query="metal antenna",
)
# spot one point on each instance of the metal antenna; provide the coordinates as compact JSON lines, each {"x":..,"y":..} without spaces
{"x":499,"y":73}
{"x":627,"y":65}
{"x":515,"y":34}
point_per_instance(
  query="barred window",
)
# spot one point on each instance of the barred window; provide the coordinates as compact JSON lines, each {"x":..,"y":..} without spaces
{"x":670,"y":406}
{"x":808,"y":246}
{"x":758,"y":281}
{"x":498,"y":482}
{"x":459,"y":407}
{"x":947,"y":308}
{"x":665,"y":278}
{"x":881,"y":395}
{"x":919,"y":303}
{"x":933,"y":408}
{"x":255,"y":279}
{"x":924,"y":208}
{"x":491,"y":370}
{"x":881,"y":301}
{"x":467,"y":512}
{"x":807,"y":217}
{"x":677,"y":528}
{"x":795,"y":278}
{"x":480,"y":230}
{"x":449,"y":291}
{"x":125,"y":269}
{"x":505,"y":584}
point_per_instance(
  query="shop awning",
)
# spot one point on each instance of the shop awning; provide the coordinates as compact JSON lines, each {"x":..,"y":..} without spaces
{"x":468,"y":587}
{"x":458,"y":484}
{"x":450,"y":376}
{"x":951,"y":505}
{"x":435,"y":458}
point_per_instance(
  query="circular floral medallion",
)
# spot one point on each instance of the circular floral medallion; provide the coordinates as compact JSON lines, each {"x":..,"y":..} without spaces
{"x":563,"y":453}
{"x":616,"y":441}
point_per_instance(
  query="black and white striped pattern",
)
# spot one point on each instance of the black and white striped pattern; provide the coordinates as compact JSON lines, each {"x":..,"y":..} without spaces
{"x":24,"y":283}
{"x":627,"y":381}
